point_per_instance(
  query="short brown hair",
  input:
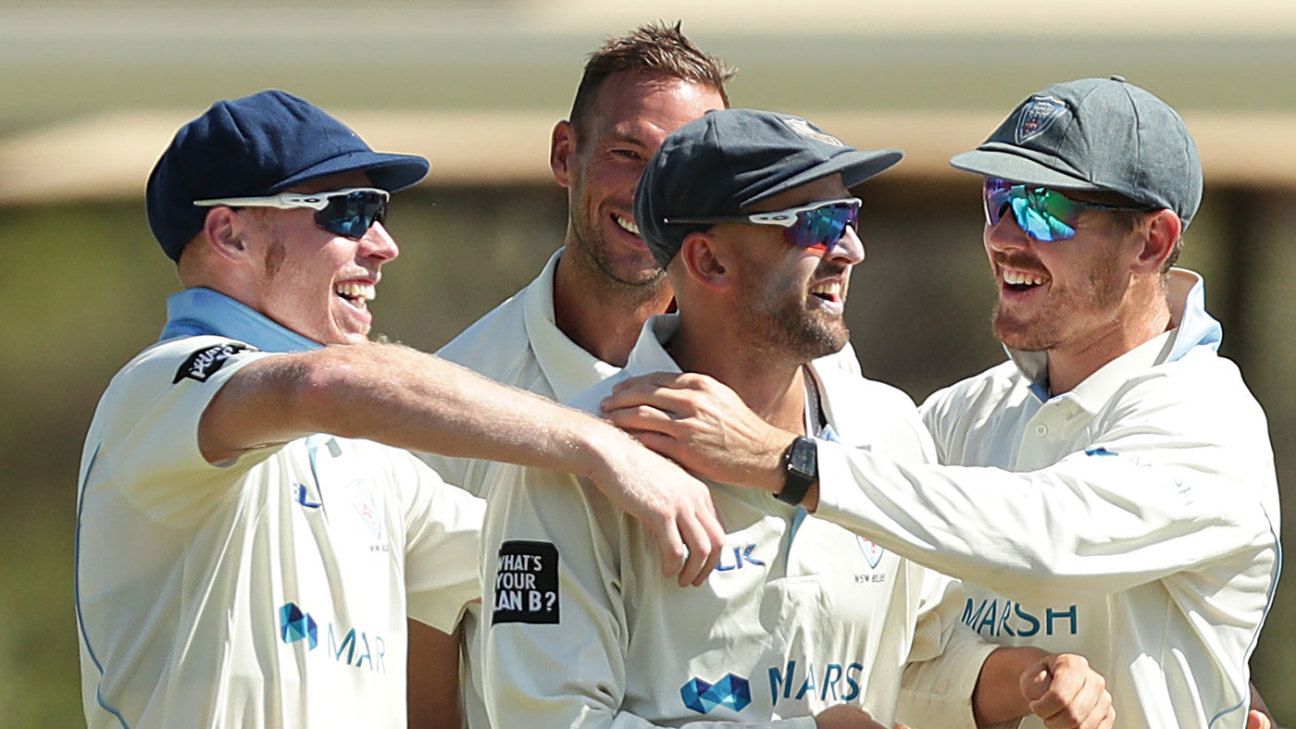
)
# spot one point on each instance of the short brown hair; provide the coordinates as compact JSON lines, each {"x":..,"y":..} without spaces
{"x":654,"y":48}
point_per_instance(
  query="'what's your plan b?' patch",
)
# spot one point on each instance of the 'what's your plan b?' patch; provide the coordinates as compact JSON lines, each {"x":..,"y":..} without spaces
{"x":206,"y":362}
{"x":526,"y":583}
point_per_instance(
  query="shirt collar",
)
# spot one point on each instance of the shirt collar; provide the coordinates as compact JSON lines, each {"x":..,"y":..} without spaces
{"x":1192,"y":327}
{"x":199,"y":311}
{"x":565,"y":364}
{"x":649,"y":353}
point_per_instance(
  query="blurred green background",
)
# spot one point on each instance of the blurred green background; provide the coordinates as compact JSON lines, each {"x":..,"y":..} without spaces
{"x":94,"y":91}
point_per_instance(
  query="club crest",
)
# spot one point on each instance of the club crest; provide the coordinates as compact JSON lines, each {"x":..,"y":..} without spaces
{"x":1037,"y":115}
{"x":802,"y":127}
{"x":872,"y":552}
{"x":362,"y":499}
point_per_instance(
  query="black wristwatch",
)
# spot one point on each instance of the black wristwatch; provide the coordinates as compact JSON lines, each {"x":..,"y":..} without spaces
{"x":800,"y":469}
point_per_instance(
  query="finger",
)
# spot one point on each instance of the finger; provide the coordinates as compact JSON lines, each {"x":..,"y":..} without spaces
{"x":1067,"y":680}
{"x":715,"y":535}
{"x":1257,"y":720}
{"x":1103,"y":715}
{"x":651,"y":380}
{"x":1074,"y":711}
{"x":663,"y":445}
{"x":679,"y":402}
{"x":1035,"y":681}
{"x":673,"y":551}
{"x":643,"y":417}
{"x":699,"y":549}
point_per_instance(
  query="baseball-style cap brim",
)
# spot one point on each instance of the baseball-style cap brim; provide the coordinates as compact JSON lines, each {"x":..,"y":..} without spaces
{"x":390,"y":172}
{"x":854,"y":166}
{"x":1015,"y":166}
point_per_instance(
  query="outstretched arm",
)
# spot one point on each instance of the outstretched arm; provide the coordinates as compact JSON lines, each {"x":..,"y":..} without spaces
{"x":408,"y":399}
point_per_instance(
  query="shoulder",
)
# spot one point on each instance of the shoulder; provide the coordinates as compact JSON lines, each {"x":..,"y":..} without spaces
{"x":500,"y":331}
{"x":980,"y":391}
{"x":1200,"y":391}
{"x":866,"y":412}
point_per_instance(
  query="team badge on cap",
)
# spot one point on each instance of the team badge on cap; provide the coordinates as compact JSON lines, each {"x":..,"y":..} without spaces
{"x":1037,"y":116}
{"x":802,"y":127}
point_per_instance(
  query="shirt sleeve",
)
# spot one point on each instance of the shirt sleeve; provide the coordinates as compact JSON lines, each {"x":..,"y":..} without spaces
{"x":442,"y":545}
{"x":1166,"y":485}
{"x":554,"y":612}
{"x":944,"y":661}
{"x":151,"y":438}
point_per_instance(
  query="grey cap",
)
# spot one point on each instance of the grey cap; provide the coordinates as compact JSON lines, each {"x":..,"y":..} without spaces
{"x":733,"y":158}
{"x":1099,"y":135}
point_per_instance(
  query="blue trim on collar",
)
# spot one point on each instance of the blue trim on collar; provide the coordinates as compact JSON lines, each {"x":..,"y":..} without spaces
{"x":198,"y":311}
{"x":1197,"y":328}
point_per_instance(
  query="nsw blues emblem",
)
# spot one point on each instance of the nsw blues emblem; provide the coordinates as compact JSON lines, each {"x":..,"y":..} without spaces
{"x":872,"y":552}
{"x":1037,"y":115}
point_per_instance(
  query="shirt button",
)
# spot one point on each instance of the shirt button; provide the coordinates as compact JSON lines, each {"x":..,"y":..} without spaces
{"x":1041,"y":430}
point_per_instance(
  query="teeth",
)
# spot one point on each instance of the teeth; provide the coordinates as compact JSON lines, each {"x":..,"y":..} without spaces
{"x":1016,"y":278}
{"x":356,"y":290}
{"x":831,"y":289}
{"x":627,"y":225}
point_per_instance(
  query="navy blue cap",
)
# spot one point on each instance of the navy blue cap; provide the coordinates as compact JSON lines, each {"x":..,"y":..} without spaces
{"x":731,"y":159}
{"x":258,"y":145}
{"x":1096,"y":134}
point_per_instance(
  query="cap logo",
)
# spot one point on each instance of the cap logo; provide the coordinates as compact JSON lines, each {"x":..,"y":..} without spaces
{"x":1037,"y":115}
{"x":802,"y":127}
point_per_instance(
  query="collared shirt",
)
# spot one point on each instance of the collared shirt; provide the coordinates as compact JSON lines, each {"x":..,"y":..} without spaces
{"x":519,"y":343}
{"x":271,"y":590}
{"x":799,"y":615}
{"x":1132,"y":520}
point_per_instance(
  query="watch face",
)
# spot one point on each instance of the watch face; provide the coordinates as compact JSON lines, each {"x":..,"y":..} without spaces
{"x":804,"y":458}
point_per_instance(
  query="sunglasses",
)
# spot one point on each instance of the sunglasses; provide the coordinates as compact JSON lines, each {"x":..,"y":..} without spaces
{"x":817,"y":226}
{"x":349,"y":212}
{"x":1042,"y":213}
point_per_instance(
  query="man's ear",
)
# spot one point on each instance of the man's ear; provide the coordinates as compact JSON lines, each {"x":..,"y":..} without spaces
{"x":226,"y":233}
{"x":1163,"y":231}
{"x":562,"y":146}
{"x":704,"y":262}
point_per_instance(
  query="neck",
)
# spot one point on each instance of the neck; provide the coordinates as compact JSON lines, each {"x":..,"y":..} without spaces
{"x":601,"y":315}
{"x":773,"y":387}
{"x":1143,"y":315}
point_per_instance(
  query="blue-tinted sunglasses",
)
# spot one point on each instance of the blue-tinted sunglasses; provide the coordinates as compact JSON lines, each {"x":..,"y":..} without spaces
{"x":1042,"y":213}
{"x":817,"y":226}
{"x":349,"y":212}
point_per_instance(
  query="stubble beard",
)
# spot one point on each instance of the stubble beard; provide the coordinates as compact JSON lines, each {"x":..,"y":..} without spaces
{"x":590,"y":250}
{"x":801,"y":334}
{"x":1047,"y":330}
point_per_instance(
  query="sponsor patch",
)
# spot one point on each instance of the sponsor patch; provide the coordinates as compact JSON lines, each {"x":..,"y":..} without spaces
{"x":1037,"y":116}
{"x":206,"y":362}
{"x":526,"y":583}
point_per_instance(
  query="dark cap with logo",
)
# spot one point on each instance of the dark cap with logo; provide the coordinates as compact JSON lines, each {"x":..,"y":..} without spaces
{"x":1096,"y":134}
{"x":734,"y":158}
{"x":258,"y":145}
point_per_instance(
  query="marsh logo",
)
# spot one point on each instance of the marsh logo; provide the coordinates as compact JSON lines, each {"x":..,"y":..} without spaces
{"x":993,"y":618}
{"x":354,"y":648}
{"x":835,"y":682}
{"x":732,"y":692}
{"x":295,"y":625}
{"x":1037,"y":115}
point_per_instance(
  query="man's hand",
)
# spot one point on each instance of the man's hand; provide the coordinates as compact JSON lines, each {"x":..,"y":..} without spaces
{"x":701,"y":424}
{"x":845,"y":716}
{"x":675,"y":507}
{"x":1065,"y":692}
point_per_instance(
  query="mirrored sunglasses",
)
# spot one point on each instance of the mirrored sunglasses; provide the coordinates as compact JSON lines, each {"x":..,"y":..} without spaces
{"x":349,"y":212}
{"x":817,"y":226}
{"x":1042,"y":213}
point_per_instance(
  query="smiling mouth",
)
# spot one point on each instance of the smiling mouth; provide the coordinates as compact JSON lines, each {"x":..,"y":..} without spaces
{"x":828,"y":291}
{"x":356,"y":294}
{"x":626,"y":224}
{"x":1020,"y":281}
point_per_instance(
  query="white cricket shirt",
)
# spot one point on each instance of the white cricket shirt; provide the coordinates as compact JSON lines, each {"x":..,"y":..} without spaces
{"x":519,"y":343}
{"x":581,"y":629}
{"x":267,"y":592}
{"x":1133,"y":520}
